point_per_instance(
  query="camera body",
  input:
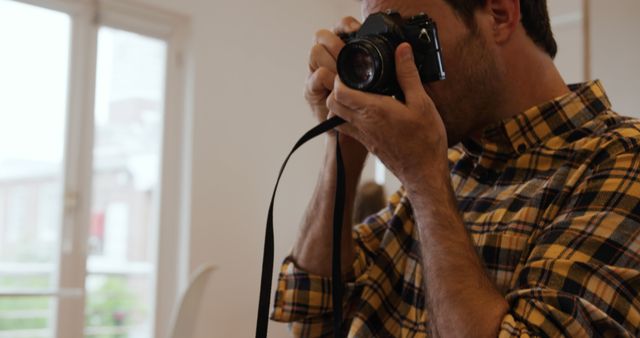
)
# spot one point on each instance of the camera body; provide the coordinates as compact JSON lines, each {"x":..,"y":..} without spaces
{"x":367,"y":61}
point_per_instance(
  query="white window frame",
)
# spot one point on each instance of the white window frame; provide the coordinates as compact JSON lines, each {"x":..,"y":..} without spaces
{"x":171,"y":261}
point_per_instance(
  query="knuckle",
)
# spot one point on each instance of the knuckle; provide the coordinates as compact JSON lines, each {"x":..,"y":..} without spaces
{"x":329,"y":43}
{"x":330,"y":103}
{"x":370,"y":112}
{"x":311,"y":81}
{"x":316,"y":76}
{"x":346,"y":21}
{"x":347,"y":24}
{"x":316,"y":50}
{"x":317,"y":35}
{"x":308,"y":89}
{"x":321,"y":36}
{"x":322,"y":71}
{"x":314,"y":57}
{"x":325,"y":77}
{"x":339,"y":93}
{"x":314,"y":89}
{"x":409,"y":73}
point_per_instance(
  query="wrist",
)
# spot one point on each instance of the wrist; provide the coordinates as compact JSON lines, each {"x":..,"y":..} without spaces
{"x":432,"y":195}
{"x":428,"y":182}
{"x":354,"y":155}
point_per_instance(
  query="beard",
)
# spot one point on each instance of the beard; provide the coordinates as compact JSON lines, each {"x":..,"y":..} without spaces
{"x":467,"y":99}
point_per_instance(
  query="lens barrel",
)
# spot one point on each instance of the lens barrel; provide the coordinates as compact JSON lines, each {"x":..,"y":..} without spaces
{"x":367,"y":63}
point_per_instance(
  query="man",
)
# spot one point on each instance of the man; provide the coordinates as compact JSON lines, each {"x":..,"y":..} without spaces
{"x":519,"y":213}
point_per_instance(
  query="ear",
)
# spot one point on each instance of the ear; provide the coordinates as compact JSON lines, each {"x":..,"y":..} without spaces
{"x":506,"y":18}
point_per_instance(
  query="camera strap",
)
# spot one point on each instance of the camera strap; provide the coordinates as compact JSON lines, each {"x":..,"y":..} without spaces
{"x":338,"y":217}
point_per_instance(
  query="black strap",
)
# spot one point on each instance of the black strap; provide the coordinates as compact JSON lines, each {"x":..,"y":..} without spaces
{"x":338,"y":215}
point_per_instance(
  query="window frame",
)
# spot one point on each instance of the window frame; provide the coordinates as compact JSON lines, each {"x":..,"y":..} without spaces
{"x":171,"y":261}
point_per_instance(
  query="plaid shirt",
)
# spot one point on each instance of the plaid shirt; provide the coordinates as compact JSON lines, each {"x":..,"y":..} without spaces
{"x":551,"y":199}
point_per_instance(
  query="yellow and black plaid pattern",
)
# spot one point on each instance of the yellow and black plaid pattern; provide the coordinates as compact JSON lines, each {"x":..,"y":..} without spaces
{"x":551,"y":199}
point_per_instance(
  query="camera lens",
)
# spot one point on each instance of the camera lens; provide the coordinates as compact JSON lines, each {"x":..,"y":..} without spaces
{"x":363,"y":64}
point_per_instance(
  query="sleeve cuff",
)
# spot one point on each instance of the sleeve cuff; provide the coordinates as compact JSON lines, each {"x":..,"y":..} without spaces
{"x":302,"y":295}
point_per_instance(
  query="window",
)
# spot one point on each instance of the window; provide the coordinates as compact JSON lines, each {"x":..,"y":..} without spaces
{"x":129,"y":112}
{"x":88,"y":186}
{"x":33,"y":113}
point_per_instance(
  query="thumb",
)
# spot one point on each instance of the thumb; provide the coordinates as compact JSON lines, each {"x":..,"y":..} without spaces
{"x":407,"y":73}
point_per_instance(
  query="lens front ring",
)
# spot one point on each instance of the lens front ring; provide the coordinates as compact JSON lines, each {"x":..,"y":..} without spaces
{"x":361,"y":65}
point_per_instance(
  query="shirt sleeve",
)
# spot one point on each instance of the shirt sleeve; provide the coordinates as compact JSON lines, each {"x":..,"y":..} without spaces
{"x":581,"y":276}
{"x":304,"y":299}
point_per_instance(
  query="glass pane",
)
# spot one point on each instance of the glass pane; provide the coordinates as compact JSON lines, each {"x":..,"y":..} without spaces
{"x":25,"y":317}
{"x":128,"y":139}
{"x":34,"y":64}
{"x":118,"y":306}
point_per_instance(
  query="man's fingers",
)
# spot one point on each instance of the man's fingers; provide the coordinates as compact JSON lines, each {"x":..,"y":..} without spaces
{"x":408,"y":76}
{"x":339,"y":109}
{"x":330,"y":41}
{"x":319,"y":84}
{"x":320,"y":57}
{"x":328,"y":44}
{"x":355,"y":99}
{"x":348,"y":24}
{"x":346,"y":128}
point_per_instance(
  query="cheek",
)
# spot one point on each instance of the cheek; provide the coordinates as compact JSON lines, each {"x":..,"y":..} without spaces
{"x":462,"y":60}
{"x":455,"y":61}
{"x":442,"y":92}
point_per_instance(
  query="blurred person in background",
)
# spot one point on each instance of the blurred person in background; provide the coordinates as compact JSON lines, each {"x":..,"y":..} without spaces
{"x":370,"y":198}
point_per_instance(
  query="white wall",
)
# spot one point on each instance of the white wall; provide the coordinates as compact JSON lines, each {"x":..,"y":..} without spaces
{"x":567,"y":21}
{"x":249,"y":66}
{"x":615,"y":51}
{"x":613,"y":47}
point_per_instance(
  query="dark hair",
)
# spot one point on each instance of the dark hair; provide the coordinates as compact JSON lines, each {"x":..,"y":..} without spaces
{"x":535,"y":19}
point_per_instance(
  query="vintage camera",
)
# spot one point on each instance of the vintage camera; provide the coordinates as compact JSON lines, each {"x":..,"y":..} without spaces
{"x":367,"y":61}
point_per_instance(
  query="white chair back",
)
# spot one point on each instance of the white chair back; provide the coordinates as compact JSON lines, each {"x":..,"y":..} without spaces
{"x":187,"y":310}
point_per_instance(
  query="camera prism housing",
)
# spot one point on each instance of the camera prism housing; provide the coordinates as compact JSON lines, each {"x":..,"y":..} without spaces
{"x":367,"y":61}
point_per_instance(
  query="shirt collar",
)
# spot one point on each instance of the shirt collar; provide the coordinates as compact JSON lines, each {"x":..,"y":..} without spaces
{"x":532,"y":127}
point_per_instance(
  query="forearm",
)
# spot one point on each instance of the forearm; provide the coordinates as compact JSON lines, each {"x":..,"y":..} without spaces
{"x":461,"y":299}
{"x":312,"y":250}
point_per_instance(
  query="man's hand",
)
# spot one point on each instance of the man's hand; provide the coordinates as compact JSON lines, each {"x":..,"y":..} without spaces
{"x":320,"y":83}
{"x":322,"y":65}
{"x":409,"y":138}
